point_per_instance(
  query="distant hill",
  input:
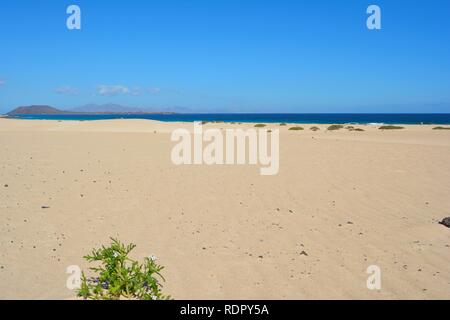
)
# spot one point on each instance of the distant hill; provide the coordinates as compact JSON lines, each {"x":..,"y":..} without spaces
{"x":35,"y":110}
{"x":88,"y":109}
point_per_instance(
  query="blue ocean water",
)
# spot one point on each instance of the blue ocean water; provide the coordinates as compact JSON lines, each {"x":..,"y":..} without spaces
{"x":319,"y":118}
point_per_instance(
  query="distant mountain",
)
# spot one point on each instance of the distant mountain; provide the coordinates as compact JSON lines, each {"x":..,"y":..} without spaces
{"x":88,"y":109}
{"x":35,"y":110}
{"x":107,"y":108}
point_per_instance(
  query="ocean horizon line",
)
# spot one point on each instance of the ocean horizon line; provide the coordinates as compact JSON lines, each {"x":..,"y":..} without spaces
{"x":300,"y":118}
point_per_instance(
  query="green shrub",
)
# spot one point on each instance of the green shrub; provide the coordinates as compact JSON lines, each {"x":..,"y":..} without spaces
{"x":296,"y":128}
{"x":441,"y":128}
{"x":119,"y":277}
{"x":335,"y":127}
{"x":260,"y":125}
{"x":352,"y":128}
{"x":391,"y":128}
{"x":283,"y":124}
{"x":314,"y":128}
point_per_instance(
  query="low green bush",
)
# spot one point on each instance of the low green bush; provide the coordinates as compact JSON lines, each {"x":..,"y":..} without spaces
{"x":117,"y":276}
{"x":391,"y":127}
{"x":335,"y":127}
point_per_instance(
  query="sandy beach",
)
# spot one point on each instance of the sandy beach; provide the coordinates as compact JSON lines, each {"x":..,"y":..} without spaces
{"x":342,"y":201}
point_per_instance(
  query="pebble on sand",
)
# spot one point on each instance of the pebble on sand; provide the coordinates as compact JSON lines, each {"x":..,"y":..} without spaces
{"x":446,"y":222}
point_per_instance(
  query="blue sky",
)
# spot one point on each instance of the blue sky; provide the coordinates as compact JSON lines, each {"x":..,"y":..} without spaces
{"x":227,"y":55}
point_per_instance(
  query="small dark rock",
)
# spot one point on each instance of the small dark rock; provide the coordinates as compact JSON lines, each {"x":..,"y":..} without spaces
{"x":45,"y":207}
{"x":6,"y":186}
{"x":303,"y":253}
{"x":446,"y":222}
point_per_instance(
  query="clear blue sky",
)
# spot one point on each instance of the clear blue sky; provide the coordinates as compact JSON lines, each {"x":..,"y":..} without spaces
{"x":227,"y":55}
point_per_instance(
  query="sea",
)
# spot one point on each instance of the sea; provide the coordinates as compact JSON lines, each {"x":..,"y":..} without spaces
{"x":300,"y":118}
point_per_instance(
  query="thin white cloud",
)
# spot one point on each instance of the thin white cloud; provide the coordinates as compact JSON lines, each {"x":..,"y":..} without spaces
{"x":112,"y":90}
{"x":154,"y":90}
{"x":135,"y":91}
{"x":66,"y":90}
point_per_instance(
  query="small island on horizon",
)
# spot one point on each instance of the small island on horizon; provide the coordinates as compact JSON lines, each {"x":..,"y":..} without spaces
{"x":96,"y":110}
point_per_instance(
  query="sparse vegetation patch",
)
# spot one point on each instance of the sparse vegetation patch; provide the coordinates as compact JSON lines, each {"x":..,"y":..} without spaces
{"x":116,"y":276}
{"x":335,"y":127}
{"x":391,"y":128}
